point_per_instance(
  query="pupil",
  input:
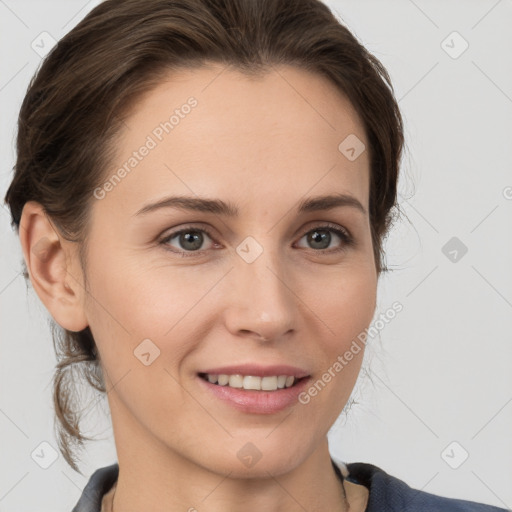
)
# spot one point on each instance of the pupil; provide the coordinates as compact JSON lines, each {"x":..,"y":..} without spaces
{"x":195,"y":239}
{"x":319,"y":237}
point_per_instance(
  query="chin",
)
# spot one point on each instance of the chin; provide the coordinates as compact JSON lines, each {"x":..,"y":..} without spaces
{"x":253,"y":460}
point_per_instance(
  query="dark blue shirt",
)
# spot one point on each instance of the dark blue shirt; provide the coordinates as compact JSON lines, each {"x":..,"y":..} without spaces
{"x":386,"y":493}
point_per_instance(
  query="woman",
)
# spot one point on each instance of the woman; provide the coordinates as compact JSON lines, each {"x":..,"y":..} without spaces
{"x":201,"y":192}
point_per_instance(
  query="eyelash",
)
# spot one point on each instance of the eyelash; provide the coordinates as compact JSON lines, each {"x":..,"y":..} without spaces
{"x":344,"y":235}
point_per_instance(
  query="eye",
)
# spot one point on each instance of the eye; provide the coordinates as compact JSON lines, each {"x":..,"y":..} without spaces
{"x":190,"y":240}
{"x":321,"y":237}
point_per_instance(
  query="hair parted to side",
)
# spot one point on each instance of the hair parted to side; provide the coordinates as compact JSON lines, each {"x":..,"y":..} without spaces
{"x":76,"y":102}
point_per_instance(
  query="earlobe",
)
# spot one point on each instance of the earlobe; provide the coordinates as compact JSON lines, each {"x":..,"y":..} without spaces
{"x":52,"y":267}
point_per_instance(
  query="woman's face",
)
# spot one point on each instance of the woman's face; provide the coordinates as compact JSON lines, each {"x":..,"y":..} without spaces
{"x":269,"y":285}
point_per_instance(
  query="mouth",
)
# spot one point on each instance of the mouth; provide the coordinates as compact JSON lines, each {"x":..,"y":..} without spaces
{"x":267,"y":393}
{"x":253,"y":382}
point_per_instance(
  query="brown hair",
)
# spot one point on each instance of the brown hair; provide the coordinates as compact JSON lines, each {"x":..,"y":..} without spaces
{"x":76,"y":103}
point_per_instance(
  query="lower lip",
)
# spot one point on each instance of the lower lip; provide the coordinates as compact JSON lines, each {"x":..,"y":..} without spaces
{"x":255,"y":401}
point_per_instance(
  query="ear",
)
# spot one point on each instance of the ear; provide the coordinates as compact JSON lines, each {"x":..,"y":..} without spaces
{"x":53,"y":267}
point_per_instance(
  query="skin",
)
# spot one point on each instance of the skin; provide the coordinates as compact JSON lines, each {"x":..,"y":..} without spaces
{"x":263,"y":144}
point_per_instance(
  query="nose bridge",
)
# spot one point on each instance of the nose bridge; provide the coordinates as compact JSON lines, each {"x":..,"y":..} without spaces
{"x":262,"y":302}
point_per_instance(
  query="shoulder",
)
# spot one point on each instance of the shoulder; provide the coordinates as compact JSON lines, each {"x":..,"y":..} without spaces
{"x":390,"y":494}
{"x":98,"y":485}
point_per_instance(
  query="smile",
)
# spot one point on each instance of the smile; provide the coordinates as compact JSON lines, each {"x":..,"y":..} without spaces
{"x":251,"y":382}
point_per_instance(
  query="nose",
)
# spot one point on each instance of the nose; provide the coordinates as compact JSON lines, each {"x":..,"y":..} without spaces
{"x":261,"y":304}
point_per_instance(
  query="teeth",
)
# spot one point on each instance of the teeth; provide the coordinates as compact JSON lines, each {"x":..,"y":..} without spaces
{"x":269,"y":383}
{"x":235,"y":381}
{"x":251,"y":382}
{"x":223,"y":380}
{"x":281,"y":381}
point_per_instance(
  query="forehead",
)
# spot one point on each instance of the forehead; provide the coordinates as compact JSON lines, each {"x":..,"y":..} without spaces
{"x":212,"y":128}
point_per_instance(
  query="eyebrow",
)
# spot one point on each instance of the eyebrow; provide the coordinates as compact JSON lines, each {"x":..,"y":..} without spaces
{"x":219,"y":207}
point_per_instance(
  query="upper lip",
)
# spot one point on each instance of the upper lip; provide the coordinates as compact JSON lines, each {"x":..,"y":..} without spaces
{"x":258,"y":370}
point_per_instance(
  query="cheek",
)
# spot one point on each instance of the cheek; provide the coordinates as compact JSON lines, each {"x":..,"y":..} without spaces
{"x":151,"y":314}
{"x":133,"y":302}
{"x":346,"y":303}
{"x":138,"y":299}
{"x":138,"y":322}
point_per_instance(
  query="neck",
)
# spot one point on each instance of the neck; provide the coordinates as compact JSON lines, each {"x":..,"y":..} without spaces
{"x":183,"y":485}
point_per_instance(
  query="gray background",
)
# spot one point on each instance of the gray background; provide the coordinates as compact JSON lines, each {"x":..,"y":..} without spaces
{"x":440,"y":370}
